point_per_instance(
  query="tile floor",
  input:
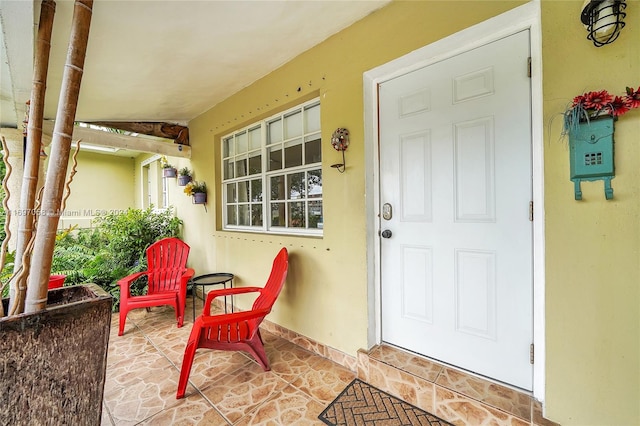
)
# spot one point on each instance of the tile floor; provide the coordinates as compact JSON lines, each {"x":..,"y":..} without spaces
{"x":225,"y":388}
{"x":229,"y":388}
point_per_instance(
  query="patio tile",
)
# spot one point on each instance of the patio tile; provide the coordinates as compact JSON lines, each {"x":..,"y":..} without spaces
{"x":144,"y":396}
{"x":290,"y":361}
{"x":290,"y":407}
{"x":236,"y":394}
{"x":210,"y":364}
{"x":324,"y":380}
{"x":187,"y":412}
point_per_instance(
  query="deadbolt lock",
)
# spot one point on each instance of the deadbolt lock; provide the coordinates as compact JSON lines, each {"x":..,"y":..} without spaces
{"x":387,"y":211}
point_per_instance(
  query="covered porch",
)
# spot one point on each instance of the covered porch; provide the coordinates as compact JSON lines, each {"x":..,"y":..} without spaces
{"x":230,"y":388}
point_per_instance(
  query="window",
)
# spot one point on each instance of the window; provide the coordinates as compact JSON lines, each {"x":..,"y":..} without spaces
{"x":155,"y":189}
{"x":272,"y":174}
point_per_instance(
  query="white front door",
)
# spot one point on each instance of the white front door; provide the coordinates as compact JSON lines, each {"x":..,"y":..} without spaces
{"x":455,"y":181}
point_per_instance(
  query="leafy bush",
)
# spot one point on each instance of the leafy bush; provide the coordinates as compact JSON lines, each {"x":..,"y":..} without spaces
{"x":112,"y":250}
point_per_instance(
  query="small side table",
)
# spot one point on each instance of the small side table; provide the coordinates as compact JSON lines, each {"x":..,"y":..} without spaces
{"x":220,"y":278}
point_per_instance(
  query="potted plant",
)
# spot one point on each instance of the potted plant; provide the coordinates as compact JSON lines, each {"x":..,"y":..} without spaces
{"x":198,"y":190}
{"x":184,"y":176}
{"x":167,"y":169}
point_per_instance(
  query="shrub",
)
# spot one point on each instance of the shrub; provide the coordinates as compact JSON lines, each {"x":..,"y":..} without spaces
{"x":114,"y":249}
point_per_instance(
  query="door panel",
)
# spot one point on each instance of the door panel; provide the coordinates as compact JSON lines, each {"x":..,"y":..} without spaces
{"x":455,"y":165}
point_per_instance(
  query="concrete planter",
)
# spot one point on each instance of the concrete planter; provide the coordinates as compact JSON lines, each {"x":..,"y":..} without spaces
{"x":53,"y":364}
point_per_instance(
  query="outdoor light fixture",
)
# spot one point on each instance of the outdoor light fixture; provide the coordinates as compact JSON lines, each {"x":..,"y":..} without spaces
{"x":340,"y":142}
{"x":603,"y":20}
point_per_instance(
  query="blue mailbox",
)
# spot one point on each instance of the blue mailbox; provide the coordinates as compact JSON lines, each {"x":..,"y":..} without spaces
{"x":591,"y":154}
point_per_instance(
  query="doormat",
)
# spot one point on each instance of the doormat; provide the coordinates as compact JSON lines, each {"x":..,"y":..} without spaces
{"x":362,"y":404}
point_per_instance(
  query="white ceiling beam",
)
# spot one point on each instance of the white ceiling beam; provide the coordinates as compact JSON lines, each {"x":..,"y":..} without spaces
{"x":117,"y":140}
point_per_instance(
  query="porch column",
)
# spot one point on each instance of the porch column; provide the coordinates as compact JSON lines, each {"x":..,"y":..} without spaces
{"x":14,"y":140}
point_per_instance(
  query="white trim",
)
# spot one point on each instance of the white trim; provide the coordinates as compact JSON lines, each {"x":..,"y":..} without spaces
{"x":518,"y":19}
{"x":143,"y":164}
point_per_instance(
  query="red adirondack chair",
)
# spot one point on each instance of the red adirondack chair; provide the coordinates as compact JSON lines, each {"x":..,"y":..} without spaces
{"x":236,"y":331}
{"x":167,"y":274}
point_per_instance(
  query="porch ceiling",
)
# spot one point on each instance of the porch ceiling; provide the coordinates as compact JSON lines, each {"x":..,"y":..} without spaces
{"x":166,"y":61}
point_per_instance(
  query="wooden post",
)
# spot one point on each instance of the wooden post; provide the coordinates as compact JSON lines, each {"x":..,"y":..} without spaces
{"x":59,"y":158}
{"x":32,"y":152}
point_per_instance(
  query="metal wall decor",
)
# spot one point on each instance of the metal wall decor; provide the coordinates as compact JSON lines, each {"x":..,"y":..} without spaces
{"x":591,"y":154}
{"x":340,"y":142}
{"x":603,"y":20}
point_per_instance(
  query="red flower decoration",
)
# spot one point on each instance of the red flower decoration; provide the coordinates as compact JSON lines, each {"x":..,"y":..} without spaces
{"x":632,"y":99}
{"x":619,"y":106}
{"x":597,"y":100}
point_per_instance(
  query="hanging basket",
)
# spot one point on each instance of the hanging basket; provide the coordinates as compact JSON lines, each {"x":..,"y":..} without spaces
{"x":169,"y":172}
{"x":183,"y":180}
{"x":199,"y":198}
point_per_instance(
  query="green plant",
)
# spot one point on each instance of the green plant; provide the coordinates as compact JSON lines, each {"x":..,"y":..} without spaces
{"x":112,"y":250}
{"x":194,"y":187}
{"x":165,"y":163}
{"x":7,"y":272}
{"x":185,"y":171}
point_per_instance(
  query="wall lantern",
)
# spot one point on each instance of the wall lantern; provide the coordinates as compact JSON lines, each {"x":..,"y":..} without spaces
{"x":340,"y":142}
{"x":603,"y":20}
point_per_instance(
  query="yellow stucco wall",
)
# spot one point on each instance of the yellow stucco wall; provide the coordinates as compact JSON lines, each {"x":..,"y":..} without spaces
{"x":326,"y":295}
{"x":102,"y":183}
{"x":593,"y":246}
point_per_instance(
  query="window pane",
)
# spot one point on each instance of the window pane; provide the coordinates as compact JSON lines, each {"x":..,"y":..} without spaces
{"x":296,"y":215}
{"x":243,"y":214}
{"x":241,"y":167}
{"x":277,"y":214}
{"x":227,"y":147}
{"x":277,"y":188}
{"x":271,"y":172}
{"x":312,"y":151}
{"x":275,"y":158}
{"x":256,"y":215}
{"x":315,"y":215}
{"x":228,"y":169}
{"x":312,"y":119}
{"x":296,"y":187}
{"x":241,"y":143}
{"x":232,"y":219}
{"x":243,"y":191}
{"x":314,"y":183}
{"x":293,"y":153}
{"x":275,"y":131}
{"x":231,"y":193}
{"x":293,"y":125}
{"x":255,"y":163}
{"x":256,"y":190}
{"x":255,"y":141}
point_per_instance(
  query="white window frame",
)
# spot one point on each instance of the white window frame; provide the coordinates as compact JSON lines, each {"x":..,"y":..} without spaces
{"x":161,"y":195}
{"x":265,"y":176}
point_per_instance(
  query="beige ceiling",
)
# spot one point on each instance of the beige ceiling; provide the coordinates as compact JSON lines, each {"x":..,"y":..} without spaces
{"x":151,"y":60}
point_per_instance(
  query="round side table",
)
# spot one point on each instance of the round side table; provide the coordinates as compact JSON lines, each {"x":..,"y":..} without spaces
{"x":220,"y":278}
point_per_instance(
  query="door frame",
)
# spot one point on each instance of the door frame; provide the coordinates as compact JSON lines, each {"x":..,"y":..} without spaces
{"x":525,"y":17}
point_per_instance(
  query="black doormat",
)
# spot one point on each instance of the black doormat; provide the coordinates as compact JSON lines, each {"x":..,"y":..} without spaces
{"x":362,"y":404}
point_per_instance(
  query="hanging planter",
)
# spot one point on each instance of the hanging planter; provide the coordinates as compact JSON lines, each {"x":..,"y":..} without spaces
{"x":168,"y":170}
{"x":198,"y":191}
{"x":184,"y":176}
{"x":200,"y":198}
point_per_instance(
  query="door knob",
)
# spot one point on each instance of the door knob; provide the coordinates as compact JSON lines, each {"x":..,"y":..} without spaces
{"x":386,"y":234}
